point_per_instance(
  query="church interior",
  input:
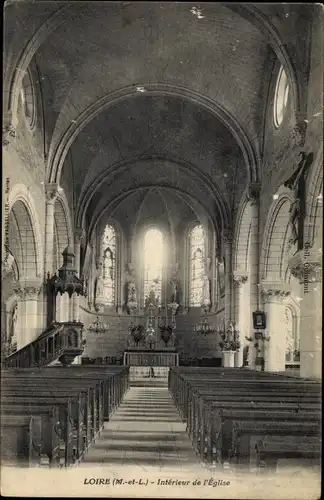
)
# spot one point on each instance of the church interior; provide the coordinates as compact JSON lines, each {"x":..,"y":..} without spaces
{"x":161,"y":278}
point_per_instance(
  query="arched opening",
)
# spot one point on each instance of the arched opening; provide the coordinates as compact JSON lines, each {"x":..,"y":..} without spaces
{"x":196,"y":265}
{"x":109,"y":264}
{"x":153,"y":263}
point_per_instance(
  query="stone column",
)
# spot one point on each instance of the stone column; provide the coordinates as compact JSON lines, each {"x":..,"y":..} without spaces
{"x":227,"y":244}
{"x":51,"y":192}
{"x":307,"y":267}
{"x":29,"y":319}
{"x":78,"y":236}
{"x":75,"y":307}
{"x":62,"y":307}
{"x":253,"y":196}
{"x":273,"y":295}
{"x":239,"y":313}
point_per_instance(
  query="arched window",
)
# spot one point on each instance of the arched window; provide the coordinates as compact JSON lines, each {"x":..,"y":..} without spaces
{"x":196,"y":265}
{"x":281,"y":97}
{"x":109,"y":264}
{"x":153,"y":263}
{"x":28,"y":99}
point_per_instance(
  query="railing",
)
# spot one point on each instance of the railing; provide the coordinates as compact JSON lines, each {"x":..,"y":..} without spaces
{"x":149,"y":358}
{"x":61,"y":341}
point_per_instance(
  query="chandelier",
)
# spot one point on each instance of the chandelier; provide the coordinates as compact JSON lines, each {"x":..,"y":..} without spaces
{"x":204,"y":327}
{"x":98,"y":326}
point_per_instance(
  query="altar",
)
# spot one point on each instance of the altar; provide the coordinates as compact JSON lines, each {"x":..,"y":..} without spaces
{"x":151,"y":346}
{"x":150,"y":363}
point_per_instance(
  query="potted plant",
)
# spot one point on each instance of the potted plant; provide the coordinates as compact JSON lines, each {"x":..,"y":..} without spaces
{"x":296,"y":355}
{"x":166,"y":333}
{"x":137,"y":332}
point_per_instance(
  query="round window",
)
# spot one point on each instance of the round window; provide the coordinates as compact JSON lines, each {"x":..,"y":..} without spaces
{"x":28,"y":99}
{"x":281,"y":97}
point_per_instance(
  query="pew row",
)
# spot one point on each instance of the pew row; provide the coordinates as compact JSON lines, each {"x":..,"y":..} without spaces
{"x":72,"y":404}
{"x":214,"y":401}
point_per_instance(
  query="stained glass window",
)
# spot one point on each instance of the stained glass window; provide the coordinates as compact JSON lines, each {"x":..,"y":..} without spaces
{"x":281,"y":97}
{"x":196,"y":265}
{"x":28,"y":99}
{"x":153,"y":263}
{"x":109,"y":265}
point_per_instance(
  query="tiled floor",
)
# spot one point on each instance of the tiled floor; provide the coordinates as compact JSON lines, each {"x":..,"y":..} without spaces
{"x":145,"y":431}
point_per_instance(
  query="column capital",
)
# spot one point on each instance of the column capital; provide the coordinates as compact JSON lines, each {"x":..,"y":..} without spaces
{"x":274,"y":291}
{"x":253,"y":192}
{"x":299,"y":133}
{"x":51,"y":192}
{"x":239,"y":278}
{"x":27,"y":292}
{"x":306,"y":266}
{"x":227,"y":236}
{"x":8,"y":133}
{"x":79,"y":234}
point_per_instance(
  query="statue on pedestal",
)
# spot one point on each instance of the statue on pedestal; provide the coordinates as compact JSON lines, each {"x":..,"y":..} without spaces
{"x":206,"y":292}
{"x":174,"y":290}
{"x":131,"y":288}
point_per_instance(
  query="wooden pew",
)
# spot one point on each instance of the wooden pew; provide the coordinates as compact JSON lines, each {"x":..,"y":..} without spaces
{"x":83,"y":410}
{"x":247,"y":435}
{"x":270,"y":449}
{"x":50,"y":437}
{"x":21,"y":440}
{"x":63,"y":383}
{"x":215,"y":444}
{"x":202,"y":393}
{"x":65,"y":430}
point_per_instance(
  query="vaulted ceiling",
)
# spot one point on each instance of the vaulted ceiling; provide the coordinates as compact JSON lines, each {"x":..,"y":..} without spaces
{"x":151,"y":94}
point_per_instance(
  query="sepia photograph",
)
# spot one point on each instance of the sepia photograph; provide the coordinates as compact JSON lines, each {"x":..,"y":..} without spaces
{"x":161,"y":267}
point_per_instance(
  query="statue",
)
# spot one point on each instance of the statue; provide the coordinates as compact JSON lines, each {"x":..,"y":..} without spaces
{"x":206,"y":292}
{"x":99,"y":283}
{"x":174,"y":289}
{"x":108,"y":268}
{"x":13,"y":323}
{"x":131,"y":292}
{"x":297,"y":212}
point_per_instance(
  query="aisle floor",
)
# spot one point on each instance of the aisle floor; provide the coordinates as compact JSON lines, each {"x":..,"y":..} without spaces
{"x":146,"y":432}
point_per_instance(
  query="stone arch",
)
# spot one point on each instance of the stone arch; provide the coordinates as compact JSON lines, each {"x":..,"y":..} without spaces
{"x":23,"y":215}
{"x":314,"y":203}
{"x":242,"y":237}
{"x":62,"y":232}
{"x":96,"y":255}
{"x":274,"y":257}
{"x":67,"y":12}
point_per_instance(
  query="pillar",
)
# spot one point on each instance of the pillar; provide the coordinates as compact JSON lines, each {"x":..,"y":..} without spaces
{"x":274,"y":295}
{"x":253,"y":195}
{"x":51,"y":192}
{"x":239,"y":313}
{"x":62,"y":307}
{"x":75,"y":307}
{"x":307,"y":267}
{"x":28,"y":319}
{"x":227,"y":244}
{"x":78,"y":236}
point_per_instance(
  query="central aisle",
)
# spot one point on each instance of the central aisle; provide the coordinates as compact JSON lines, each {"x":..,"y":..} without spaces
{"x":146,"y":432}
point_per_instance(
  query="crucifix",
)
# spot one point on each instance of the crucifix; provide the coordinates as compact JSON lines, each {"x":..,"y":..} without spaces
{"x":296,"y":183}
